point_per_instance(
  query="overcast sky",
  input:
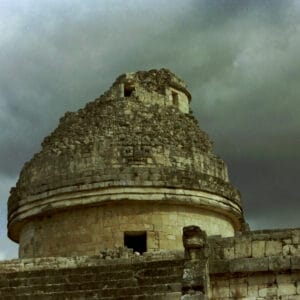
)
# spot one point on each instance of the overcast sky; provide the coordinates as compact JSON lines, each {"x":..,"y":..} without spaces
{"x":240,"y":60}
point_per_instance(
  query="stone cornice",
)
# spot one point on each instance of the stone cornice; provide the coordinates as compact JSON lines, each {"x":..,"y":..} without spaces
{"x":47,"y":203}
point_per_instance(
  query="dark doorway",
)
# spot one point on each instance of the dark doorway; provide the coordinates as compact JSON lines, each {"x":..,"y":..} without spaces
{"x":136,"y":240}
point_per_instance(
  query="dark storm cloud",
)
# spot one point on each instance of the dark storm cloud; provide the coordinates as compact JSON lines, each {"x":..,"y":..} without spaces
{"x":59,"y":56}
{"x":249,"y":103}
{"x":239,"y":58}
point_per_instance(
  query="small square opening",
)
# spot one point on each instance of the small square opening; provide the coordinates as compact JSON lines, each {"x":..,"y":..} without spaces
{"x":128,"y":90}
{"x":136,"y":240}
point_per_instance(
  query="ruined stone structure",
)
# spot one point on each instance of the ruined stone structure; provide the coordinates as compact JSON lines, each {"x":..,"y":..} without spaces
{"x":131,"y":174}
{"x":131,"y":165}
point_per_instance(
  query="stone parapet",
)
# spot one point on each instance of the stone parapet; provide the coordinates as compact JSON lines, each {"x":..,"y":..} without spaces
{"x":256,"y":244}
{"x":249,"y":265}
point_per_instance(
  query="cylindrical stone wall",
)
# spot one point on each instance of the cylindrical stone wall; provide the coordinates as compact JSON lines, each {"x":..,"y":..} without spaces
{"x":88,"y":230}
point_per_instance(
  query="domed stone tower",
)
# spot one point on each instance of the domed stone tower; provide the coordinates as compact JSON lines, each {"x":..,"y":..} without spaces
{"x":131,"y":169}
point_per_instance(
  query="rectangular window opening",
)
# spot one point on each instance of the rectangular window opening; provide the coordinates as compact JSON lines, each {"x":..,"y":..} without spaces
{"x":136,"y":240}
{"x":128,"y":90}
{"x":175,"y":98}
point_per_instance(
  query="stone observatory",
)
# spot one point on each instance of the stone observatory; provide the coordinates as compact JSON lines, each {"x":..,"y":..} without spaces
{"x":131,"y":168}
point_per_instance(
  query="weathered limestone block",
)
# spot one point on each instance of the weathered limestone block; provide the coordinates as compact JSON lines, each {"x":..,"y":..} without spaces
{"x":252,"y":291}
{"x":296,"y":236}
{"x":267,"y":292}
{"x":262,"y":278}
{"x":229,"y":253}
{"x":242,"y":247}
{"x":258,"y":248}
{"x":238,"y":287}
{"x":295,"y":262}
{"x":277,"y":263}
{"x":220,"y":289}
{"x":249,"y":264}
{"x":286,"y":250}
{"x":219,"y":266}
{"x":273,"y":248}
{"x":298,"y":287}
{"x":238,"y":291}
{"x":286,"y":289}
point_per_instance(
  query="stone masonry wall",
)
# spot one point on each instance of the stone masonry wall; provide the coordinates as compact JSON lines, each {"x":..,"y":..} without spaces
{"x":256,"y":265}
{"x":269,"y":270}
{"x":257,"y":285}
{"x":113,"y":141}
{"x":257,"y":244}
{"x":87,"y":230}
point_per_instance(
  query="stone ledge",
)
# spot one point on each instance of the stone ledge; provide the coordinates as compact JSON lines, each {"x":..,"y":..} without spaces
{"x":176,"y":196}
{"x":278,"y":263}
{"x":248,"y":265}
{"x":33,"y":264}
{"x":216,"y":266}
{"x":256,"y":244}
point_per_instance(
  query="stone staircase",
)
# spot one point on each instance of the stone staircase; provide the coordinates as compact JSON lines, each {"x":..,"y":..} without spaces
{"x":160,"y":279}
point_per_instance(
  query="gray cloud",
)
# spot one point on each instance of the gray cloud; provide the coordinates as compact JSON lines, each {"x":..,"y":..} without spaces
{"x":239,"y":58}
